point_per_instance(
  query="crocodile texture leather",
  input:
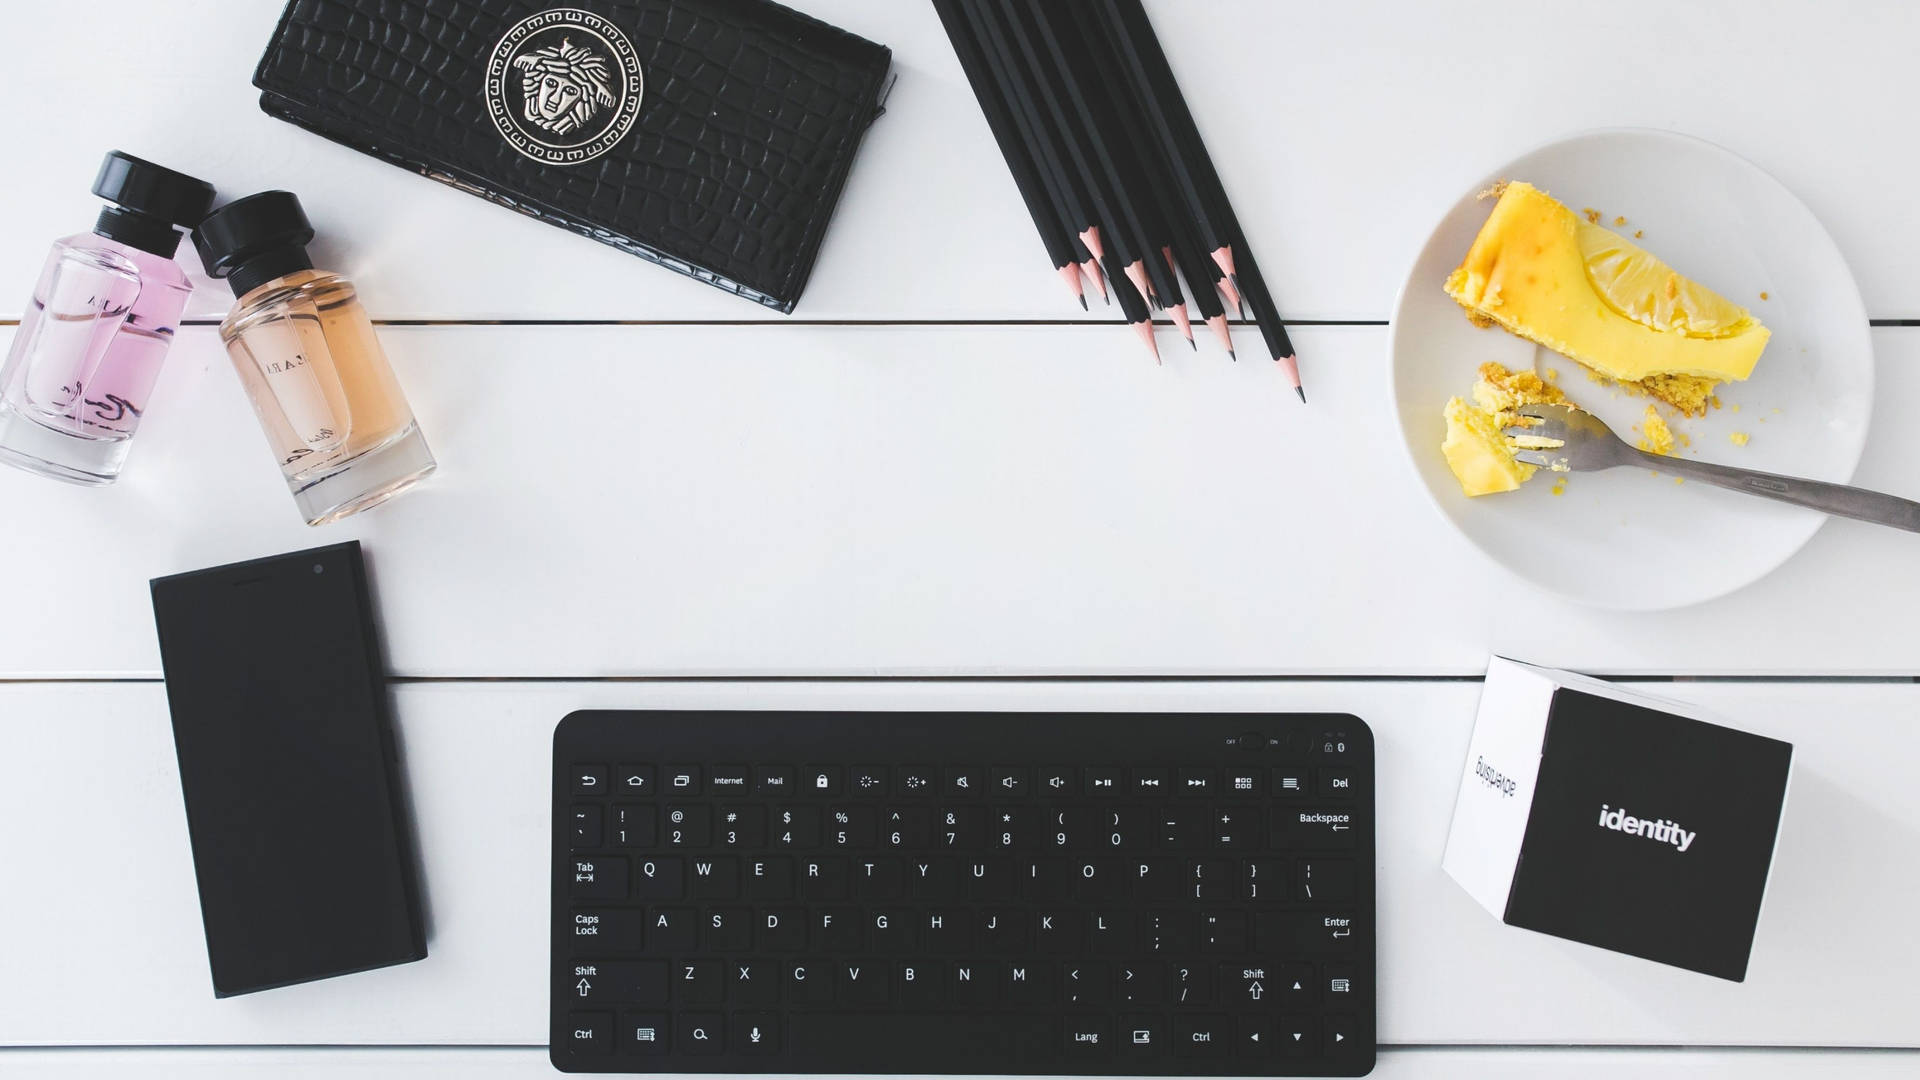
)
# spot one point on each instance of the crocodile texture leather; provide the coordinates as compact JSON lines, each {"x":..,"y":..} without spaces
{"x":747,"y":123}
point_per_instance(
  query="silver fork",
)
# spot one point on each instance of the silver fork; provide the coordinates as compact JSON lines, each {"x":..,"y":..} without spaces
{"x":1587,"y":444}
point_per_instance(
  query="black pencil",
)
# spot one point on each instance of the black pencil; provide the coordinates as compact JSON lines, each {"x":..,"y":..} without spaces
{"x":1041,"y":202}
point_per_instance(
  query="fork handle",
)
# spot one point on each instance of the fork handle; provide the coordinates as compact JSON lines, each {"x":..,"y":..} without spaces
{"x":1837,"y":499}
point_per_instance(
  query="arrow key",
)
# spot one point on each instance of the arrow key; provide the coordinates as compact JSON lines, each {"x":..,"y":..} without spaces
{"x":1255,"y":1036}
{"x":1295,"y":1036}
{"x":1342,"y":1035}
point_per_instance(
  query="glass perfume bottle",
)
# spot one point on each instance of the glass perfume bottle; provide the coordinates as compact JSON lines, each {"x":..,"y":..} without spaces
{"x":306,"y":353}
{"x":103,"y":313}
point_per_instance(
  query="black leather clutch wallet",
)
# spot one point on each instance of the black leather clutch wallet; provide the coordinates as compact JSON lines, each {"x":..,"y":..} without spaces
{"x":710,"y":136}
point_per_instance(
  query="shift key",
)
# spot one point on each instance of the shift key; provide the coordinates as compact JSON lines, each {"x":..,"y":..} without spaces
{"x":1313,"y":827}
{"x":597,"y":877}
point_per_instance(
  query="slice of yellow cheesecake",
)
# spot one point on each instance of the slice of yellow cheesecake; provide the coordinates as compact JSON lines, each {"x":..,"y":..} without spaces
{"x":1540,"y":270}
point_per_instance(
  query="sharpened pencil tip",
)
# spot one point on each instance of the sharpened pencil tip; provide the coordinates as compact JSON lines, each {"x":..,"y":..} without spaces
{"x":1192,"y":346}
{"x":1231,"y":355}
{"x":1302,"y":392}
{"x":1083,"y":303}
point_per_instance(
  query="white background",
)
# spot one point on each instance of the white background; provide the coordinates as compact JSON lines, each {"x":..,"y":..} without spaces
{"x":939,"y":466}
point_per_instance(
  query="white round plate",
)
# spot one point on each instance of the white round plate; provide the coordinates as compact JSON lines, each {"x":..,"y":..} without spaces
{"x":1627,"y":538}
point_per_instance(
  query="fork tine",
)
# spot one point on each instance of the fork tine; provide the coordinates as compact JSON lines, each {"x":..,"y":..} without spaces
{"x":1535,"y":457}
{"x":1544,"y":412}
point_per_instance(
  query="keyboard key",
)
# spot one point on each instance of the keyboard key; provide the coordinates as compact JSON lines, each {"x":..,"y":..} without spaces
{"x":1088,"y":1038}
{"x":1320,"y":828}
{"x":768,"y":879}
{"x":972,"y":983}
{"x":963,"y":782}
{"x":1102,"y":780}
{"x":742,"y":827}
{"x":1213,"y":879}
{"x":732,"y":780}
{"x":671,"y":930}
{"x":1254,"y":1035}
{"x":1099,"y":880}
{"x":683,"y":779}
{"x":1013,"y":828}
{"x":961,"y":828}
{"x":914,"y":780}
{"x":892,"y":929}
{"x":796,"y":827}
{"x":1086,"y":984}
{"x":1248,"y":985}
{"x":853,"y":827}
{"x":700,"y":1033}
{"x":782,"y":929}
{"x":987,"y":879}
{"x":1112,"y":932}
{"x":716,"y":878}
{"x":689,"y":826}
{"x":1196,"y":782}
{"x":616,"y":930}
{"x":1192,"y":984}
{"x":1237,"y":827}
{"x":753,"y":982}
{"x":1183,"y":828}
{"x":643,"y":1033}
{"x":863,"y":982}
{"x":879,"y":879}
{"x":1001,"y":931}
{"x":586,"y":826}
{"x":945,"y":930}
{"x":1030,"y":983}
{"x":810,"y":982}
{"x":821,"y":780}
{"x":591,"y":780}
{"x":598,"y":877}
{"x":1335,"y":783}
{"x":1293,"y":985}
{"x":1290,"y":783}
{"x":866,"y":1042}
{"x":839,"y":929}
{"x":920,"y":983}
{"x":1328,"y":881}
{"x":1156,"y":880}
{"x":1242,"y":783}
{"x":1343,"y":1035}
{"x":1223,"y":932}
{"x":634,"y":781}
{"x":1266,"y":880}
{"x":620,"y":982}
{"x":1298,"y":933}
{"x":699,"y":982}
{"x":823,"y":879}
{"x":660,"y":879}
{"x":1151,"y":781}
{"x":1142,"y":1036}
{"x":906,"y":827}
{"x":1340,"y":982}
{"x":1007,"y":781}
{"x":1202,"y":1035}
{"x":774,"y":780}
{"x":1171,"y":932}
{"x":589,"y":1033}
{"x":634,"y":826}
{"x":869,"y":781}
{"x":727,"y":929}
{"x":1047,"y":880}
{"x":1141,"y":983}
{"x":756,"y":1033}
{"x":1296,"y":1035}
{"x":1056,"y":780}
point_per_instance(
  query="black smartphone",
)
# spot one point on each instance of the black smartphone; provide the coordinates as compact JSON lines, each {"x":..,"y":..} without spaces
{"x":294,"y":806}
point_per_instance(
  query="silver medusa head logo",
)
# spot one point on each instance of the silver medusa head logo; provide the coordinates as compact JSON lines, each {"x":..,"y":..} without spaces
{"x":564,"y":85}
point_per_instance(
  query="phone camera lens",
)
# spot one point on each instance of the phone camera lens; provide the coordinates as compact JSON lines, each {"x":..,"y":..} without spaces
{"x":318,"y":569}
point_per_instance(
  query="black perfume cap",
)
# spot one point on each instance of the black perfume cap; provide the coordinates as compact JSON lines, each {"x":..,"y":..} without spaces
{"x":149,"y":200}
{"x":254,"y":240}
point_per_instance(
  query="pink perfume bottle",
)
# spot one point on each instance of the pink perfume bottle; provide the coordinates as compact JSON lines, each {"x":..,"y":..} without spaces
{"x":103,"y":313}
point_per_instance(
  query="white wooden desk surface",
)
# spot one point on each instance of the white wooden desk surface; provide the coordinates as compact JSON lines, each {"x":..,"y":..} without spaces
{"x":938,"y":467}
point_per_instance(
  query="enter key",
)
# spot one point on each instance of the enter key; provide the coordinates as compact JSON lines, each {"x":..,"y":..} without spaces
{"x":1306,"y":933}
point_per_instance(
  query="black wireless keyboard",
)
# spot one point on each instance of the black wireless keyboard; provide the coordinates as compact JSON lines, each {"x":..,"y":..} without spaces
{"x":830,"y":892}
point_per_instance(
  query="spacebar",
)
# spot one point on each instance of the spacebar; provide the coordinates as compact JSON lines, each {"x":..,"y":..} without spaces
{"x":915,"y":1042}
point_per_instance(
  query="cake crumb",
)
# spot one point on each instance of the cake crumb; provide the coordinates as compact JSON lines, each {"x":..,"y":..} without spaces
{"x":1655,"y":436}
{"x":1736,"y":406}
{"x":1620,"y":221}
{"x":1679,"y":479}
{"x":1494,"y":190}
{"x":1763,"y":295}
{"x":1738,"y":438}
{"x":1479,"y":320}
{"x":1560,"y":486}
{"x":1593,"y":216}
{"x":1553,"y":374}
{"x":1638,"y":233}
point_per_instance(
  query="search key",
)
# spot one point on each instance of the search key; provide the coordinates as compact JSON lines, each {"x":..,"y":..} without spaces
{"x":700,"y":1033}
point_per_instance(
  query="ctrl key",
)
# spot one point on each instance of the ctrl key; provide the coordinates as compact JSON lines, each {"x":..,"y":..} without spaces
{"x":589,"y":1033}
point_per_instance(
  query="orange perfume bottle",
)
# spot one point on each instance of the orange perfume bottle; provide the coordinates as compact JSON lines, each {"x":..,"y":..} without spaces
{"x":332,"y":410}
